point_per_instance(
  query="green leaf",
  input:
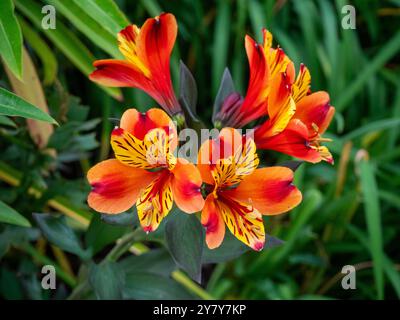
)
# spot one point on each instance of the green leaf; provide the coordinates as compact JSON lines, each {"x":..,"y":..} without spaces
{"x":145,"y":285}
{"x":10,"y":286}
{"x":373,"y":217}
{"x":49,"y":61}
{"x":9,"y":215}
{"x":122,"y":219}
{"x":10,"y":38}
{"x":7,"y":122}
{"x":56,"y":230}
{"x":157,"y":261}
{"x":226,"y":87}
{"x":88,"y":26}
{"x":152,"y":7}
{"x":12,"y":105}
{"x":66,"y":41}
{"x":230,"y":249}
{"x":106,"y":11}
{"x":185,"y":237}
{"x":291,"y":164}
{"x":101,"y":234}
{"x":187,"y":89}
{"x":372,"y":127}
{"x":106,"y":280}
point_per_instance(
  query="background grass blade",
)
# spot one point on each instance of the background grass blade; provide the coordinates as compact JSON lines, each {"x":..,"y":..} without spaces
{"x":373,"y":218}
{"x":221,"y":43}
{"x":385,"y":53}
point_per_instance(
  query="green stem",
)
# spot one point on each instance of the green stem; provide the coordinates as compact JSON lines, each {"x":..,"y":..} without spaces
{"x":122,"y":246}
{"x":185,"y":281}
{"x":79,"y":290}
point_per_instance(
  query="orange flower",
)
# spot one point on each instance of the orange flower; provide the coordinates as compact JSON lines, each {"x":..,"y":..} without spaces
{"x":238,"y":192}
{"x":296,"y":118}
{"x":147,"y":52}
{"x":145,"y":171}
{"x":302,"y":135}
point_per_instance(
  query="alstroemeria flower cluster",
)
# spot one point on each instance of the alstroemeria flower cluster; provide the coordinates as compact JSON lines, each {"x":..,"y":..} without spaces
{"x":227,"y":186}
{"x":296,"y":118}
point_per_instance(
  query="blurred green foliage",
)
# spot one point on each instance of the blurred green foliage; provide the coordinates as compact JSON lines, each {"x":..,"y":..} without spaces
{"x":350,"y":214}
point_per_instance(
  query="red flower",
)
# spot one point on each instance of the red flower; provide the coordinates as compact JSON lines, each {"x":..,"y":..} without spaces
{"x":296,"y":118}
{"x":147,"y":52}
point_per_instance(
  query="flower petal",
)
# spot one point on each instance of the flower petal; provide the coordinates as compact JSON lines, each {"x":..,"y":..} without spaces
{"x":152,"y":152}
{"x":281,"y":106}
{"x":277,"y":60}
{"x":115,"y":187}
{"x":212,"y":150}
{"x":155,"y":202}
{"x":301,"y":87}
{"x":120,"y":73}
{"x":255,"y":102}
{"x":228,"y":172}
{"x":315,"y":110}
{"x":154,"y":46}
{"x":243,"y":221}
{"x":140,"y":123}
{"x":127,"y":39}
{"x":269,"y":190}
{"x":186,"y":183}
{"x":156,"y":41}
{"x":129,"y":150}
{"x":227,"y":159}
{"x":213,"y":223}
{"x":294,"y":141}
{"x":204,"y":161}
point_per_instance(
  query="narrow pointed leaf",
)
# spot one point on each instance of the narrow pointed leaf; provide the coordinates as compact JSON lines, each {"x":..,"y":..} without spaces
{"x":9,"y":215}
{"x":226,"y":87}
{"x":106,"y":11}
{"x":187,"y":88}
{"x":12,"y":105}
{"x":10,"y":38}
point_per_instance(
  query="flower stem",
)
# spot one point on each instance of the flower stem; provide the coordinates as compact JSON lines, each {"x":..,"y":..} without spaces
{"x":122,"y":246}
{"x":193,"y":287}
